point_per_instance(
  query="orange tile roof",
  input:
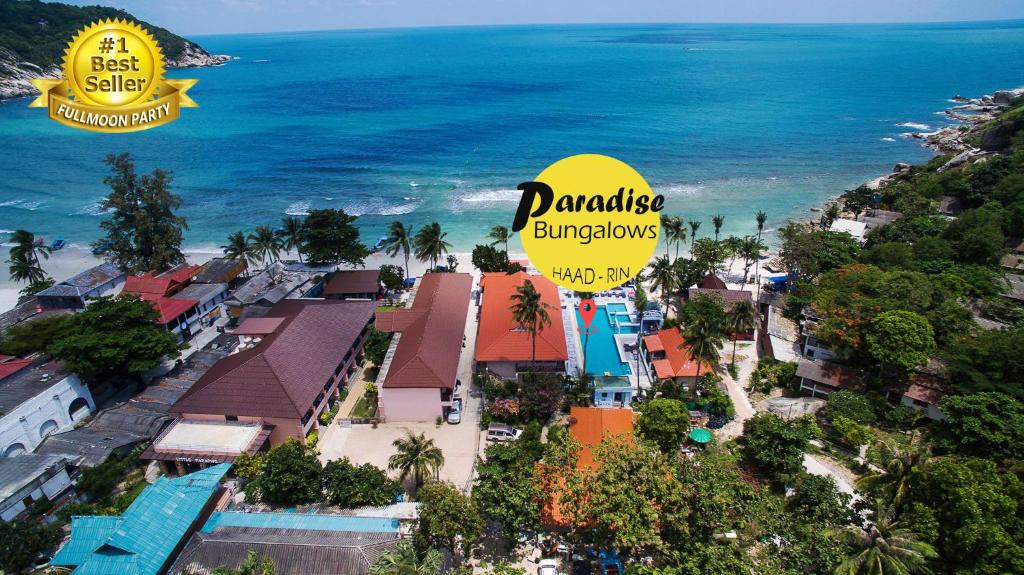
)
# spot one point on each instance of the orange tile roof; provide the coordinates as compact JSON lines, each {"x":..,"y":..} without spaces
{"x":677,"y":362}
{"x":159,"y":284}
{"x":501,"y":338}
{"x":9,"y":365}
{"x":168,"y":307}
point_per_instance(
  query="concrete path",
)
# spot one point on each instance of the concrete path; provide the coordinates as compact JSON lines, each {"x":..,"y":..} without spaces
{"x":746,"y":362}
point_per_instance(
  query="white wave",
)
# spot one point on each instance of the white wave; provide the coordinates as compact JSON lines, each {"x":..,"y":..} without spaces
{"x":22,"y":204}
{"x":409,"y":198}
{"x":413,"y":184}
{"x":397,"y":210}
{"x":298,"y":209}
{"x":678,"y":190}
{"x":6,"y":231}
{"x":92,"y":209}
{"x":888,"y":139}
{"x":490,"y":196}
{"x":914,"y":125}
{"x":329,"y":198}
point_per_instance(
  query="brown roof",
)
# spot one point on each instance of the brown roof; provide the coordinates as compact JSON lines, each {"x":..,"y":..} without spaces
{"x":929,"y":395}
{"x":432,"y":332}
{"x":711,"y":281}
{"x":283,"y":374}
{"x":729,"y":296}
{"x":351,"y":282}
{"x":828,"y":373}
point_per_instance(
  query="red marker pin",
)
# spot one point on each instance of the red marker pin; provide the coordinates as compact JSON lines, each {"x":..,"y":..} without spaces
{"x":587,"y":310}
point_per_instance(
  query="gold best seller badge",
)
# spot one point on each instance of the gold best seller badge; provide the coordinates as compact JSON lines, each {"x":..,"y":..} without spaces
{"x":113,"y":82}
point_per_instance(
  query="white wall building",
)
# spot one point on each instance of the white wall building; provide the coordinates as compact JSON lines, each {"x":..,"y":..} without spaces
{"x":29,"y":478}
{"x":37,"y":401}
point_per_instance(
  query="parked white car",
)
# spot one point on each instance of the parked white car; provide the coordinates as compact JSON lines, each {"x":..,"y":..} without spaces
{"x":547,"y":567}
{"x":502,"y":432}
{"x":455,"y":414}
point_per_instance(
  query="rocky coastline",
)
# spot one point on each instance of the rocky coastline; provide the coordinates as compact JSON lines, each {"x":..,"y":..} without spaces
{"x":16,"y":73}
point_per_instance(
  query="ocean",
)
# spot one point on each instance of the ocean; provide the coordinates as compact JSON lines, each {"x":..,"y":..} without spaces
{"x":441,"y":124}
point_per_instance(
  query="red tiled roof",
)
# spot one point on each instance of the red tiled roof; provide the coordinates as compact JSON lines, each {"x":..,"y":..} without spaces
{"x":9,"y":365}
{"x":428,"y":352}
{"x":929,"y":395}
{"x":283,"y":374}
{"x":349,"y":282}
{"x":677,"y":362}
{"x":159,"y":284}
{"x":168,"y":307}
{"x":501,"y":338}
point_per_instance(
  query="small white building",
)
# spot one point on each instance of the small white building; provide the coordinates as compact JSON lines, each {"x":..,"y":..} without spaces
{"x":36,"y":401}
{"x":852,"y":227}
{"x":29,"y":478}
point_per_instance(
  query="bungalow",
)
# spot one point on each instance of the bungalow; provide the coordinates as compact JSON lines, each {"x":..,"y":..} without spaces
{"x":503,"y":346}
{"x":144,"y":539}
{"x":220,"y":271}
{"x":612,"y":391}
{"x":289,"y":368}
{"x":418,"y":378}
{"x":354,"y":284}
{"x":853,"y":227}
{"x":29,"y":478}
{"x":668,"y":356}
{"x":268,"y":287}
{"x":36,"y":400}
{"x":820,"y":378}
{"x":928,"y":385}
{"x":75,"y":292}
{"x":177,"y":314}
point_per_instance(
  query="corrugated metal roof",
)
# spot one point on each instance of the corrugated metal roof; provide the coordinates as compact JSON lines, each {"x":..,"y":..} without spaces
{"x":17,"y":472}
{"x":84,"y":282}
{"x":350,"y":282}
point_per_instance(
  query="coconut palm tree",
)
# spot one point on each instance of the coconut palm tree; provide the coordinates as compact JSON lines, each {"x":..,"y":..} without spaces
{"x":694,"y":226}
{"x":239,"y":248}
{"x":884,"y":548}
{"x":662,"y":274}
{"x":667,"y":223}
{"x":500,"y":235}
{"x":399,"y":240}
{"x":529,"y":311}
{"x":22,"y":270}
{"x":24,"y":257}
{"x":429,"y":244}
{"x":897,"y":462}
{"x":290,"y":235}
{"x":704,"y":336}
{"x":831,"y":213}
{"x":717,"y":221}
{"x":760,"y":217}
{"x":742,"y":318}
{"x":417,"y":458}
{"x":675,"y":232}
{"x":402,"y":560}
{"x":266,"y":244}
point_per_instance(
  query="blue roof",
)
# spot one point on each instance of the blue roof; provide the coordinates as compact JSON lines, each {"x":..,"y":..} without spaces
{"x":301,"y":521}
{"x":140,"y":541}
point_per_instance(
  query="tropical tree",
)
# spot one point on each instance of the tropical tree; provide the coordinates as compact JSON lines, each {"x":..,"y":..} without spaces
{"x":399,"y":240}
{"x":417,"y":458}
{"x":718,"y":221}
{"x":291,"y":474}
{"x":429,"y":244}
{"x":704,"y":337}
{"x":694,"y":226}
{"x":266,"y":244}
{"x":831,"y":214}
{"x":750,"y":250}
{"x":669,"y":225}
{"x":252,"y":565}
{"x":675,"y":232}
{"x":24,"y":257}
{"x":448,"y":518}
{"x":329,"y":236}
{"x":530,"y":312}
{"x":662,"y":274}
{"x":403,"y":560}
{"x":901,"y":338}
{"x":889,"y":479}
{"x":741,"y":319}
{"x":239,"y":248}
{"x":500,"y":235}
{"x":760,"y":217}
{"x":883,"y":547}
{"x":290,"y":235}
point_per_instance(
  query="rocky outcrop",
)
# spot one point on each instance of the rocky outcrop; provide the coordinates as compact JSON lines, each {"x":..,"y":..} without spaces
{"x":16,"y":73}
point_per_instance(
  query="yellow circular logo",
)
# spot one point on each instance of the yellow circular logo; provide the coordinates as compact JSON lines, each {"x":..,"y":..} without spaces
{"x":113,"y":63}
{"x":588,"y":222}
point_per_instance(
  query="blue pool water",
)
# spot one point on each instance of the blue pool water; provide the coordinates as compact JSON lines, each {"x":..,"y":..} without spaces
{"x":301,"y":521}
{"x":616,"y":307}
{"x":602,"y":356}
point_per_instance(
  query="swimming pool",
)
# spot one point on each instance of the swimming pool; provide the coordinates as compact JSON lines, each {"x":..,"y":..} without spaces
{"x":301,"y":521}
{"x":602,"y":355}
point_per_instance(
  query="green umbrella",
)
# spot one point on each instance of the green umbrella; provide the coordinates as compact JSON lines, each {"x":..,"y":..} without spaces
{"x":700,"y":435}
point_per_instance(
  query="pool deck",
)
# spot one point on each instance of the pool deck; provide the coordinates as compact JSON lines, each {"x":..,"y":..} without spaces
{"x":570,"y":303}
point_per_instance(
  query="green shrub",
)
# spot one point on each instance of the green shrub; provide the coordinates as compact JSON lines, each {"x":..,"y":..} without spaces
{"x":852,"y":433}
{"x":771,"y":373}
{"x":849,"y":405}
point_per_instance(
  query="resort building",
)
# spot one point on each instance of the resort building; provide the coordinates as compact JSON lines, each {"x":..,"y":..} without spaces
{"x":29,"y":478}
{"x":178,"y":314}
{"x":814,"y":348}
{"x":418,"y":378}
{"x":820,"y":378}
{"x":669,"y":358}
{"x":288,"y":368}
{"x":265,"y":289}
{"x":354,"y":284}
{"x":145,"y":539}
{"x":928,"y":385}
{"x":853,"y":227}
{"x":106,"y":279}
{"x":220,"y":271}
{"x":36,"y":400}
{"x":503,"y":346}
{"x":612,"y":391}
{"x":298,"y":544}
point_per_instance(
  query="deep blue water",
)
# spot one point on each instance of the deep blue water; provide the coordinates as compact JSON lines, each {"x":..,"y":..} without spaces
{"x":440,"y":124}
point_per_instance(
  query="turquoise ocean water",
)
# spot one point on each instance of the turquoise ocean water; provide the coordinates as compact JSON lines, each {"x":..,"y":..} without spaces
{"x":442,"y":124}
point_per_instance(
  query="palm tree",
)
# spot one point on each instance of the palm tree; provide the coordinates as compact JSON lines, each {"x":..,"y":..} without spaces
{"x":500,"y":235}
{"x":884,"y":548}
{"x":662,"y":274}
{"x":750,"y":251}
{"x":760,"y":217}
{"x":417,"y":458}
{"x":831,"y":213}
{"x":742,"y":318}
{"x":399,"y":240}
{"x":675,"y":232}
{"x":717,"y":221}
{"x":898,"y":462}
{"x":694,"y":226}
{"x":429,"y":243}
{"x":704,"y":336}
{"x":667,"y":222}
{"x":402,"y":560}
{"x":291,"y":235}
{"x":24,"y":257}
{"x":265,"y":243}
{"x":239,"y":248}
{"x":252,"y":565}
{"x":530,"y":312}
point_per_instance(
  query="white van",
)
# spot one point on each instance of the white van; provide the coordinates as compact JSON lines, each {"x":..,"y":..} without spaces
{"x":502,"y":432}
